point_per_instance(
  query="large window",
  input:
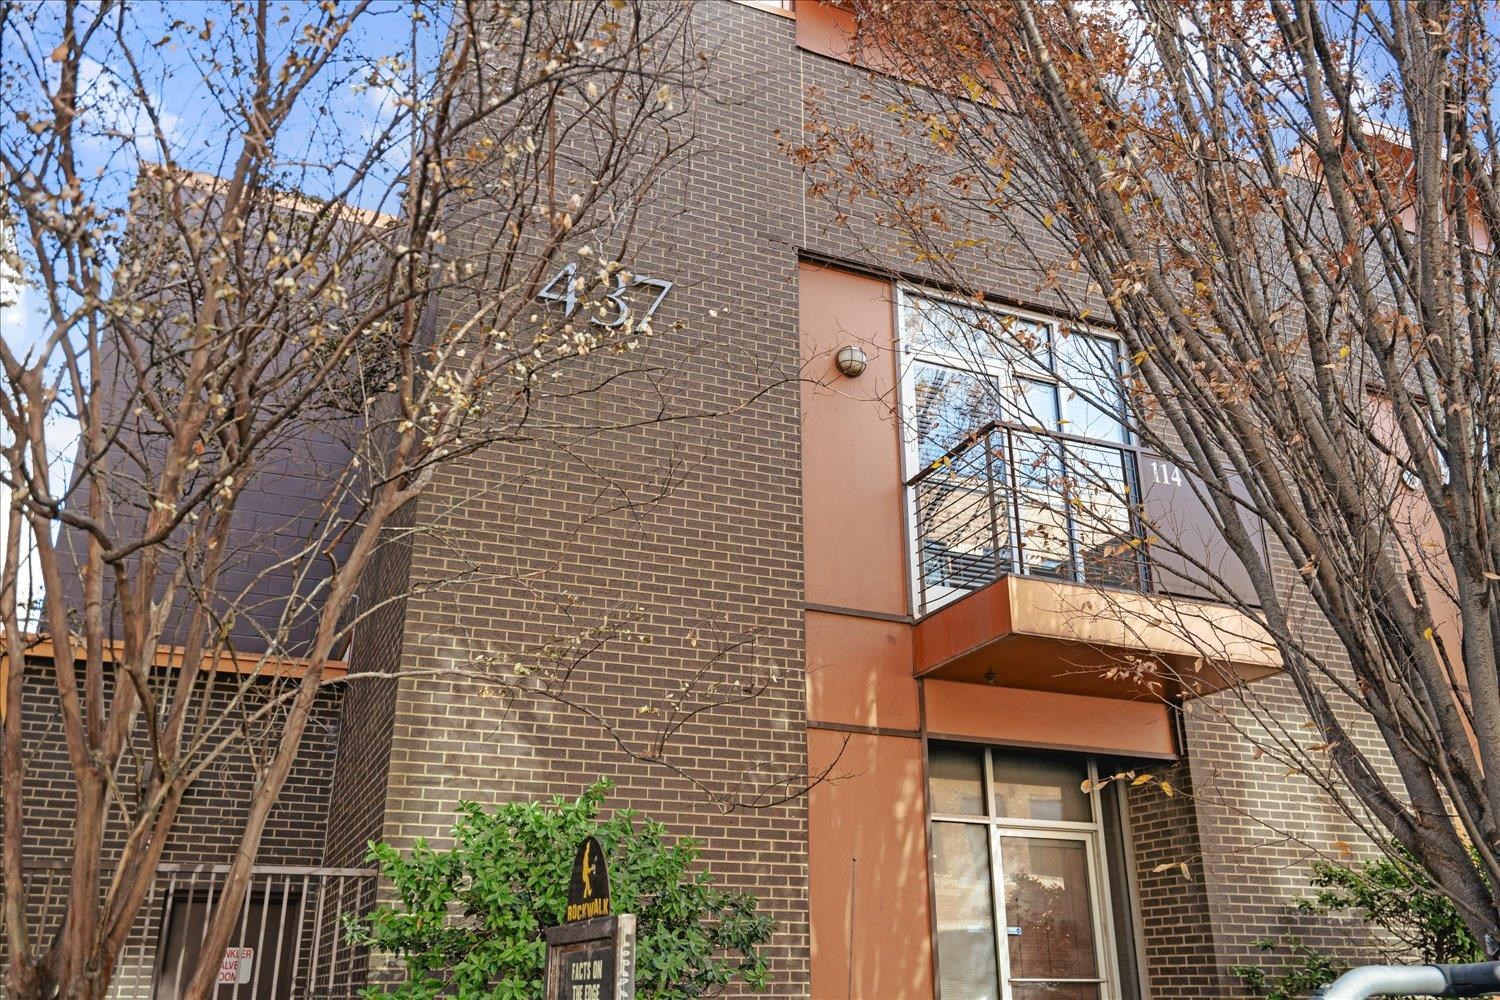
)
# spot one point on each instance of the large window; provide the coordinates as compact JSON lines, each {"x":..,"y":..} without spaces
{"x":1018,"y":425}
{"x":1030,"y":880}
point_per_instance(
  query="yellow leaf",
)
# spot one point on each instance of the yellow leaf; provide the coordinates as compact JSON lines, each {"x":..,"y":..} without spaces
{"x":1167,"y":789}
{"x":1047,"y":221}
{"x":1164,"y":867}
{"x":1427,"y":633}
{"x":1140,"y":780}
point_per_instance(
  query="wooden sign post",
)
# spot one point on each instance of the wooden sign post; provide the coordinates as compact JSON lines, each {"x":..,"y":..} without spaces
{"x":592,"y":955}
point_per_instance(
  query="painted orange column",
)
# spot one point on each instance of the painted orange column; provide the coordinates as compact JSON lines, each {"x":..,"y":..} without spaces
{"x":867,"y":843}
{"x":867,"y":833}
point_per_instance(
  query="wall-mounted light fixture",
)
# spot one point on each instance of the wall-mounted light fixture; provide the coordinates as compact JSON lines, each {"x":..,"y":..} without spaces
{"x":851,"y":360}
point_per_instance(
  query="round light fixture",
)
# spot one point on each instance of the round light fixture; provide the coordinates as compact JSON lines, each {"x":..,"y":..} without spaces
{"x":851,"y":360}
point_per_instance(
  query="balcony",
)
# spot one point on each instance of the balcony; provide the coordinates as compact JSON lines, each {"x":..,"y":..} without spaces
{"x":1006,"y":500}
{"x":1034,"y":568}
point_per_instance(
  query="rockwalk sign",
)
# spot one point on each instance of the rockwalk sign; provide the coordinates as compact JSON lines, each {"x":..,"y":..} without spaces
{"x":592,"y":955}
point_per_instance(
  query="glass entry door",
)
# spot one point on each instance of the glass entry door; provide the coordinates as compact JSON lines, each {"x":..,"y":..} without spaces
{"x":1020,"y":889}
{"x":1051,"y":917}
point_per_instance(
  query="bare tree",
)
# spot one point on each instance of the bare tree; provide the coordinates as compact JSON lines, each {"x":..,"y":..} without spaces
{"x":234,"y":225}
{"x":1283,"y":208}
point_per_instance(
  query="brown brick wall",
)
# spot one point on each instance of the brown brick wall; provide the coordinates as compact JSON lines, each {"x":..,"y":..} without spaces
{"x":356,"y":799}
{"x":540,"y":531}
{"x":1176,"y":926}
{"x":1260,"y":828}
{"x":211,"y":816}
{"x":212,"y":810}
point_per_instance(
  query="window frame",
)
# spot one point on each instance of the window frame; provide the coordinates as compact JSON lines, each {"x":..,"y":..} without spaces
{"x":924,"y":599}
{"x":1091,"y":835}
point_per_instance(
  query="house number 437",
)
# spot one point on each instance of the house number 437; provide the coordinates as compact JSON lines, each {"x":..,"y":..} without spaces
{"x":563,"y":288}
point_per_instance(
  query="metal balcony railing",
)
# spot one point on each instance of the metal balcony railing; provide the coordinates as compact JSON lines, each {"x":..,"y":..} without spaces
{"x":1010,"y":500}
{"x":290,"y":942}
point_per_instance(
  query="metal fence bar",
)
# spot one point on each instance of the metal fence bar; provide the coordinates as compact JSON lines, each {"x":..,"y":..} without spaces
{"x":260,"y":937}
{"x":951,"y":525}
{"x":1018,"y":558}
{"x":333,"y":943}
{"x":989,"y":483}
{"x":182,"y":952}
{"x":286,"y":899}
{"x":317,"y":938}
{"x":146,"y":911}
{"x":301,"y":923}
{"x":304,"y":964}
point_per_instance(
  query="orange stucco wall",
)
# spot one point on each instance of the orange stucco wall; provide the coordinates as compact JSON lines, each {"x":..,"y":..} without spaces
{"x":851,"y":460}
{"x":859,"y":672}
{"x":825,"y":29}
{"x":872,"y":809}
{"x":864,"y":708}
{"x":1048,"y":719}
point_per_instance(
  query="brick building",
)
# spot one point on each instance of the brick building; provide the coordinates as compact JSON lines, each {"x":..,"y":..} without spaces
{"x":921,"y":642}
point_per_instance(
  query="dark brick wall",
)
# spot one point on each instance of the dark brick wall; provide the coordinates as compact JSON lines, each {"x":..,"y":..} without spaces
{"x":212,"y":813}
{"x":696,"y":523}
{"x":213,"y":810}
{"x":1176,"y":927}
{"x":356,"y":801}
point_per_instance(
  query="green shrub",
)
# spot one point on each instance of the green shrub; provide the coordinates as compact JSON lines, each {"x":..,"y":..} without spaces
{"x":469,"y":920}
{"x":1390,"y":895}
{"x":1308,"y":970}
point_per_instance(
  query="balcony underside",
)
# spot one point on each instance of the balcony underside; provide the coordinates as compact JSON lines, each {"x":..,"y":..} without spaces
{"x":1041,"y":634}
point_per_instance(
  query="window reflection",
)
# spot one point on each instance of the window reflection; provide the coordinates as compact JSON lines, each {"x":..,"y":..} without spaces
{"x":1088,"y":367}
{"x":1041,"y":788}
{"x":1022,"y":498}
{"x":965,"y":917}
{"x":950,"y":404}
{"x":1049,"y":909}
{"x":956,"y":775}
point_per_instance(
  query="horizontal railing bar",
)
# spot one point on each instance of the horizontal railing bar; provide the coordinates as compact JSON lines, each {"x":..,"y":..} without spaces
{"x":972,"y":438}
{"x":1028,"y":480}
